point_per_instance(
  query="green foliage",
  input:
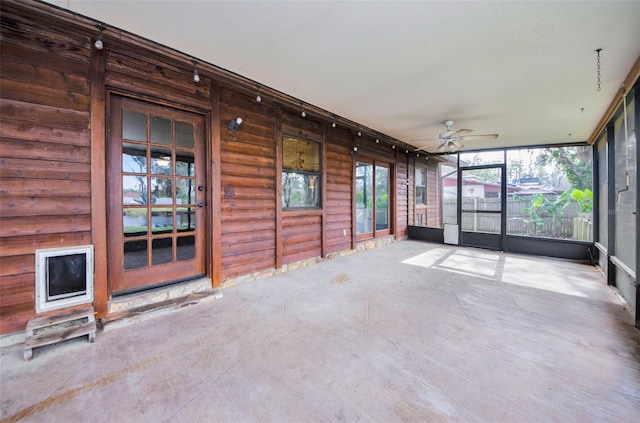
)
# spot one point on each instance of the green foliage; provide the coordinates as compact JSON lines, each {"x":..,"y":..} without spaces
{"x":584,"y":199}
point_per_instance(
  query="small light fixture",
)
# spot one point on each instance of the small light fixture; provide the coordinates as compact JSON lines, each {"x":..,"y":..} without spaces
{"x":353,"y":151}
{"x":303,"y":113}
{"x":333,"y":125}
{"x":234,"y":125}
{"x":196,"y":75}
{"x":99,"y":44}
{"x":359,"y":133}
{"x":377,"y":141}
{"x":258,"y":98}
{"x":393,"y":146}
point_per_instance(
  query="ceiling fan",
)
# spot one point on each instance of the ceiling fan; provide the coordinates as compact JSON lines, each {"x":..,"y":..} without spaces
{"x":451,"y":141}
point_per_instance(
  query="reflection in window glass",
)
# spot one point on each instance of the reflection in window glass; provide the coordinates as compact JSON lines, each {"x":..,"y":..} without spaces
{"x":364,"y":198}
{"x":184,"y":163}
{"x":550,"y":192}
{"x":185,"y":219}
{"x":160,"y":130}
{"x":300,"y":190}
{"x":134,"y":158}
{"x":134,"y":189}
{"x":134,"y":125}
{"x":162,"y":251}
{"x":184,"y":135}
{"x":185,"y":191}
{"x":135,"y":254}
{"x":134,"y":221}
{"x":421,"y":186}
{"x":161,"y":191}
{"x":382,"y":198}
{"x":186,"y":248}
{"x":300,"y":173}
{"x":161,"y":220}
{"x":160,"y":161}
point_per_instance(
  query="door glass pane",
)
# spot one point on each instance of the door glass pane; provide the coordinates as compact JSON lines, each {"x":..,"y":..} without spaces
{"x":184,"y":135}
{"x":186,"y":248}
{"x":160,"y":161}
{"x":162,"y":251}
{"x":185,"y":193}
{"x":134,"y":125}
{"x":161,"y":220}
{"x":161,"y":191}
{"x":134,"y":158}
{"x":481,"y":189}
{"x":364,"y":198}
{"x":134,"y":189}
{"x":160,"y":130}
{"x":382,"y":198}
{"x":481,"y":222}
{"x":184,"y":163}
{"x":186,"y":219}
{"x":134,"y":221}
{"x":135,"y":254}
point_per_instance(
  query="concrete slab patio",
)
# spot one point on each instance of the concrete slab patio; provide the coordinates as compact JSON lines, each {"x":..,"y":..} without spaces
{"x":407,"y":332}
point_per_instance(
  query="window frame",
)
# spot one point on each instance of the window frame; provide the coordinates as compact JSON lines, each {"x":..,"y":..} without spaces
{"x":376,"y":233}
{"x":288,"y":170}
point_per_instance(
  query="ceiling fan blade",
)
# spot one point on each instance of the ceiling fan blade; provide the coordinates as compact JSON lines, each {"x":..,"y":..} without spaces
{"x":461,"y":132}
{"x":485,"y":136}
{"x":424,"y":147}
{"x":458,"y":144}
{"x":426,"y":140}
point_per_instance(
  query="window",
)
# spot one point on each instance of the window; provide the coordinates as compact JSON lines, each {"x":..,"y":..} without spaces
{"x":549,"y":192}
{"x":300,"y":173}
{"x":421,"y":186}
{"x":372,"y":199}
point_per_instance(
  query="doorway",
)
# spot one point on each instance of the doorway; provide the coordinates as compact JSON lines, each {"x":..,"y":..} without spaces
{"x":481,"y":202}
{"x":156,"y":213}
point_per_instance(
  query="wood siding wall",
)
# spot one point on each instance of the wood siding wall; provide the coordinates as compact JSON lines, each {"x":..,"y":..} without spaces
{"x":248,"y":202}
{"x":44,"y":154}
{"x":54,"y":105}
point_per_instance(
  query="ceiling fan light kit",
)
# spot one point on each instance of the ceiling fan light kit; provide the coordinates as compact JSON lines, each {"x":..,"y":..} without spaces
{"x":450,"y":141}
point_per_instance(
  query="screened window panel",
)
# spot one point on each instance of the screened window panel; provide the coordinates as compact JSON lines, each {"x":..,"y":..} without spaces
{"x":625,"y":153}
{"x":603,"y":211}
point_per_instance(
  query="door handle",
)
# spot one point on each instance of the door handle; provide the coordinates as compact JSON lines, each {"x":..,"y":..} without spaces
{"x":201,"y":205}
{"x":200,"y":188}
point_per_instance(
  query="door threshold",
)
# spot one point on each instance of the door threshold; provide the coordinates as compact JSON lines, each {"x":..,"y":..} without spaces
{"x":158,"y":295}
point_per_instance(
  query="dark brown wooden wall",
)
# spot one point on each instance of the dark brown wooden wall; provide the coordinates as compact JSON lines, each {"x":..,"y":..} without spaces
{"x":248,"y":166}
{"x":53,"y":97}
{"x":339,"y":181}
{"x":44,"y":154}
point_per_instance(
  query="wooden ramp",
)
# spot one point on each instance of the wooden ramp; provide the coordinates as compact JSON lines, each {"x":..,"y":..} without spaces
{"x":51,"y":329}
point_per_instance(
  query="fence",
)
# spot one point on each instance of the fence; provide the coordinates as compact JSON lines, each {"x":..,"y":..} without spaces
{"x":566,"y":224}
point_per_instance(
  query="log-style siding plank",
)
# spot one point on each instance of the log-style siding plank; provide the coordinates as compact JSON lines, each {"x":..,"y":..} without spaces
{"x":30,"y":225}
{"x":35,"y":206}
{"x":21,"y":187}
{"x":42,"y":94}
{"x":41,"y":169}
{"x":27,"y":244}
{"x":43,"y":151}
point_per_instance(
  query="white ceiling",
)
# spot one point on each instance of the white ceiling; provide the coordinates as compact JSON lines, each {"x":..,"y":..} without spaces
{"x":521,"y":69}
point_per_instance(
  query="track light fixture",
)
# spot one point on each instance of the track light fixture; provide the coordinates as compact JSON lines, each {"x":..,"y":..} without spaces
{"x":377,"y":141}
{"x":359,"y":133}
{"x":234,"y":125}
{"x":303,"y":113}
{"x":99,"y":44}
{"x":258,"y":98}
{"x":196,"y":75}
{"x":353,"y":151}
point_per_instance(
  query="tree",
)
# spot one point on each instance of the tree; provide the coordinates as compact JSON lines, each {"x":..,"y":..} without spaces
{"x":575,"y":162}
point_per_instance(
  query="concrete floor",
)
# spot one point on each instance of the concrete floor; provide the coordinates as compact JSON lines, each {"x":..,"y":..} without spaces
{"x":408,"y":332}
